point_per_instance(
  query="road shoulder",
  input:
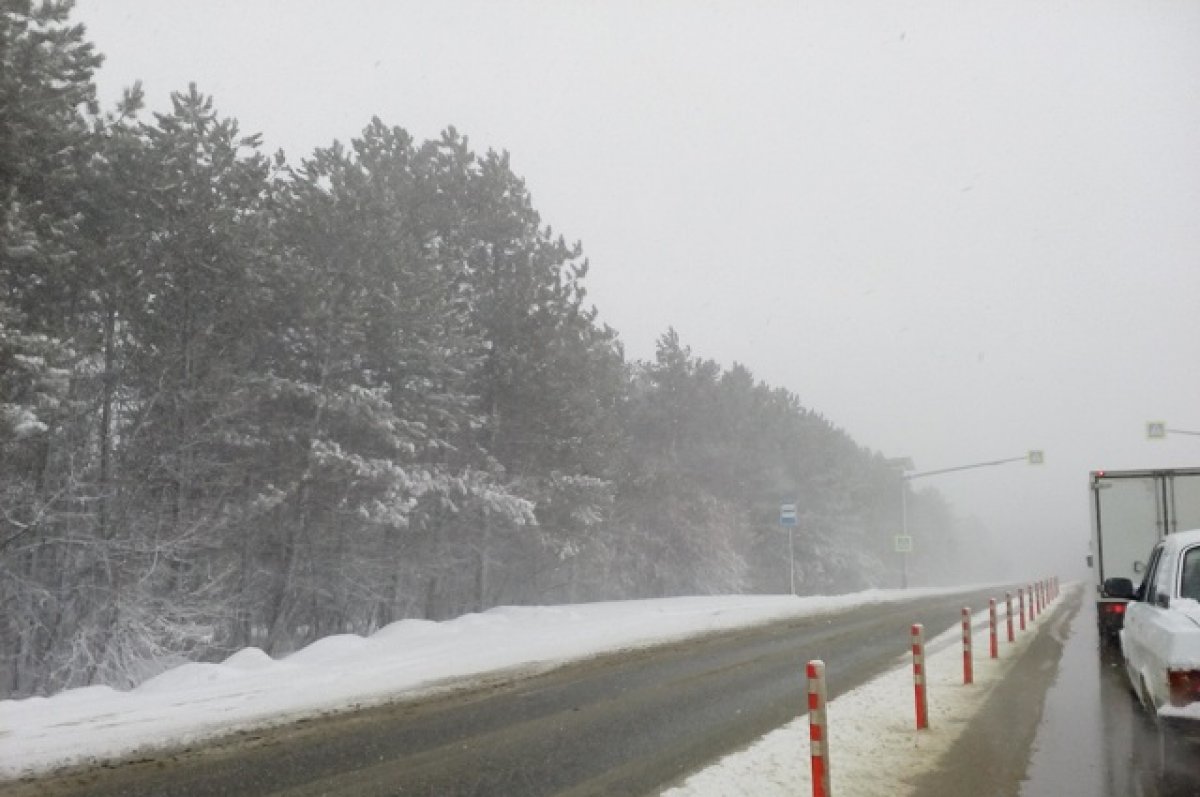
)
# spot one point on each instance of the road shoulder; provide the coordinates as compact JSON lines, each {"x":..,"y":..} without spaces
{"x":991,"y":756}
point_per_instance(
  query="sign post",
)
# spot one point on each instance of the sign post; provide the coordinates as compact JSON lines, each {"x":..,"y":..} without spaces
{"x":904,"y":546}
{"x":787,"y":519}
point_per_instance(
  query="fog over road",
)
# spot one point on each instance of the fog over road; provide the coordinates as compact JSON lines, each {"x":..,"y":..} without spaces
{"x":629,"y":723}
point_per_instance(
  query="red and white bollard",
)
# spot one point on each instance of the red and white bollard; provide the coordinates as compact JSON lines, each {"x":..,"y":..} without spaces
{"x":993,"y":637}
{"x":818,"y":736}
{"x":1021,"y":598}
{"x":968,"y":662}
{"x":918,"y":653}
{"x":1008,"y":615}
{"x":1033,"y":610}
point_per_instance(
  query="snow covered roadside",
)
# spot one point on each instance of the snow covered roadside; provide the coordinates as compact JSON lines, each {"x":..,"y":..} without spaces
{"x":874,"y":749}
{"x":405,"y":659}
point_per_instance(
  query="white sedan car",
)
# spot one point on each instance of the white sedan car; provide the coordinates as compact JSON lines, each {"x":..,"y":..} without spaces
{"x":1161,"y":637}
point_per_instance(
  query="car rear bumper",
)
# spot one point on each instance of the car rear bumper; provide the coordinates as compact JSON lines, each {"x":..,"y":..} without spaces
{"x":1184,"y":726}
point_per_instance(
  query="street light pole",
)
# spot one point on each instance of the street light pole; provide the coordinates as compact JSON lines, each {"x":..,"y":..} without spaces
{"x":903,"y":464}
{"x":1033,"y":457}
{"x":922,"y":474}
{"x":1157,"y":430}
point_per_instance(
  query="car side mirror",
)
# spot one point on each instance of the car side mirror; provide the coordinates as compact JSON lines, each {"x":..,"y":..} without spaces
{"x":1118,"y":588}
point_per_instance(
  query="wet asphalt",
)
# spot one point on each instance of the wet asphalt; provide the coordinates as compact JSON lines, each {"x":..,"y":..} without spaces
{"x":1093,"y":739}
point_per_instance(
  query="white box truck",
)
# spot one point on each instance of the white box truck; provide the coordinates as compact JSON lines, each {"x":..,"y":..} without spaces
{"x":1131,"y":511}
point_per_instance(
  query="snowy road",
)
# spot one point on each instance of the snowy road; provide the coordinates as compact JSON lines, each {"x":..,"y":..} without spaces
{"x":624,"y":724}
{"x":668,"y":702}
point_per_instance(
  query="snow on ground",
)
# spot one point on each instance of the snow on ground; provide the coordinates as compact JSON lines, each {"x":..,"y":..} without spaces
{"x":416,"y":657}
{"x":874,"y":747}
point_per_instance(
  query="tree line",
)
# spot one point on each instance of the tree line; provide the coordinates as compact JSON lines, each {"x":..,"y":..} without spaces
{"x":245,"y":401}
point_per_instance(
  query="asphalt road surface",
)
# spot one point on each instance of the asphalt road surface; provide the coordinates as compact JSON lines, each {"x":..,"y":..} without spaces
{"x":1093,"y":739}
{"x":624,"y":724}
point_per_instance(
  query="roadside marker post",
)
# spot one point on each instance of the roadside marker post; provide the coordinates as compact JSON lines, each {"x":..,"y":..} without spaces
{"x":993,"y":637}
{"x":818,"y":736}
{"x":1033,"y":612}
{"x":968,"y":662}
{"x":918,"y":654}
{"x":1008,"y":615}
{"x":1021,"y":598}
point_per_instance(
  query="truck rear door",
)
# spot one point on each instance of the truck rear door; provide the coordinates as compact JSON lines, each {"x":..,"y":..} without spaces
{"x":1129,"y":516}
{"x":1185,"y":490}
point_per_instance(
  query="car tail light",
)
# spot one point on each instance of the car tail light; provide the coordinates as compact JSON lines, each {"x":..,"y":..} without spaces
{"x":1114,"y":608}
{"x":1184,"y":686}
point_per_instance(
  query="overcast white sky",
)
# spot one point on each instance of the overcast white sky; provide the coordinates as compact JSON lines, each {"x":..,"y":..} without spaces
{"x":958,"y":230}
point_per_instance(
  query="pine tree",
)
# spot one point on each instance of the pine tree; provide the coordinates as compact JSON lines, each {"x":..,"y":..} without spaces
{"x":551,"y":385}
{"x":47,"y":105}
{"x":373,"y":373}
